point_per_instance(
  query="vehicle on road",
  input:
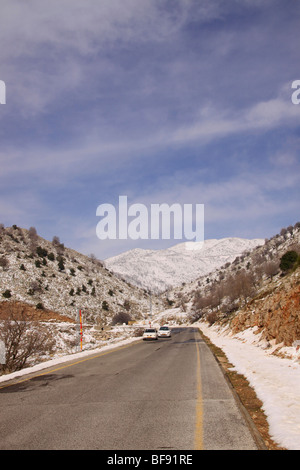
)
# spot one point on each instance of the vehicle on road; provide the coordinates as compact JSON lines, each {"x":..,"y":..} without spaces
{"x":164,"y":332}
{"x":150,"y":333}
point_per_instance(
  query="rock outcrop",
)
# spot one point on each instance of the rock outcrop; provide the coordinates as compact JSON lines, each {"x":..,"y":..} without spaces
{"x":275,"y":312}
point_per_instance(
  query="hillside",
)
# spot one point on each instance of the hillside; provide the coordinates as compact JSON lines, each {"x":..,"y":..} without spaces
{"x":274,"y":313}
{"x":252,"y":291}
{"x":51,"y":277}
{"x":159,"y":270}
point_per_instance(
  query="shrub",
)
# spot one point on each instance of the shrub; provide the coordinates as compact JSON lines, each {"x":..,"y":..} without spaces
{"x":61,"y":265}
{"x":288,"y":261}
{"x":42,"y":252}
{"x":122,"y":317}
{"x":4,"y":262}
{"x":212,"y":318}
{"x":6,"y":294}
{"x":24,"y":339}
{"x":51,"y":256}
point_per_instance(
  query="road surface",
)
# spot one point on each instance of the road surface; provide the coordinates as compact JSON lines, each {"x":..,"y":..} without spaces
{"x":161,"y":395}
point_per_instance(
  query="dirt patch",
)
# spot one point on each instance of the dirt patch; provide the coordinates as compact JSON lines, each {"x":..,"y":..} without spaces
{"x":247,"y":396}
{"x":22,"y":310}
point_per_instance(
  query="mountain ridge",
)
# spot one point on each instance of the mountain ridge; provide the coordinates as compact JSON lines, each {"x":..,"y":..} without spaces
{"x":160,"y":270}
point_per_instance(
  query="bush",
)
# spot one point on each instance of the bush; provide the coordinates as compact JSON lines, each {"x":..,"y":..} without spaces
{"x":289,"y":260}
{"x":122,"y":317}
{"x":4,"y":262}
{"x":61,"y":265}
{"x":6,"y":294}
{"x":24,"y":339}
{"x":42,"y":252}
{"x":138,"y":332}
{"x":212,"y":318}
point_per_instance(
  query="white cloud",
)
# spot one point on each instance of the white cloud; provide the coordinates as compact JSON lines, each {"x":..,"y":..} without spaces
{"x":261,"y":116}
{"x":95,"y":89}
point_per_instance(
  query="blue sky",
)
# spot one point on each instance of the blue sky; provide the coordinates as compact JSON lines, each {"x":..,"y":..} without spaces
{"x":182,"y":101}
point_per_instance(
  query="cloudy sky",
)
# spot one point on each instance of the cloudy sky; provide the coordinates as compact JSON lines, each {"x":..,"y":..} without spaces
{"x":165,"y":101}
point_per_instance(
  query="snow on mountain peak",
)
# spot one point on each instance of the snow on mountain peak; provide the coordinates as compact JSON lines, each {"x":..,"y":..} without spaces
{"x":159,"y":270}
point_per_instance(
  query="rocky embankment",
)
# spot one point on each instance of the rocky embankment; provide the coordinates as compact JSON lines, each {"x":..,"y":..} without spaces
{"x":275,"y":311}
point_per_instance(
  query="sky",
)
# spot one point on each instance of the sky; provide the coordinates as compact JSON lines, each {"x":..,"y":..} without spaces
{"x":162,"y":101}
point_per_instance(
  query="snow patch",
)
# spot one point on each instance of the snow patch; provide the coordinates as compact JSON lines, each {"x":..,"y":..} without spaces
{"x":275,"y":380}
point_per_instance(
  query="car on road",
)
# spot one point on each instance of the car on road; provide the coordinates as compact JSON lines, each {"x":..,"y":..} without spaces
{"x":150,"y":333}
{"x":164,"y":332}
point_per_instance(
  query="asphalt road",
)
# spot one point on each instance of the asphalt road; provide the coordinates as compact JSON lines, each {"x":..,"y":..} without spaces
{"x":168,"y":394}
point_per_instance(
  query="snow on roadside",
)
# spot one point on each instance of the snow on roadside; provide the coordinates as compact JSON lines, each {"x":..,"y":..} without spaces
{"x":275,"y":380}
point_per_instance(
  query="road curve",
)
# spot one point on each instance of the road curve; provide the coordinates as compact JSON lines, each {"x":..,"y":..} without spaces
{"x":168,"y":394}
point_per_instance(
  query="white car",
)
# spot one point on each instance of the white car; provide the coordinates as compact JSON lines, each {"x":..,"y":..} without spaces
{"x":164,"y":332}
{"x":150,"y":333}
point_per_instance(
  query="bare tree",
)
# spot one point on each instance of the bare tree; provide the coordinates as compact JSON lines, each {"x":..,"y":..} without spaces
{"x":32,"y":233}
{"x":33,"y":238}
{"x":271,"y":268}
{"x":24,"y":339}
{"x":55,"y":241}
{"x":240,"y":286}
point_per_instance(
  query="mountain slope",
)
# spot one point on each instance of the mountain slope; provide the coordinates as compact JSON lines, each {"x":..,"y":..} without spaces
{"x":252,"y":291}
{"x":158,"y":270}
{"x":48,"y":275}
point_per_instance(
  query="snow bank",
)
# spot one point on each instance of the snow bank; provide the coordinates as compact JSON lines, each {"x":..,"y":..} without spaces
{"x":276,"y":380}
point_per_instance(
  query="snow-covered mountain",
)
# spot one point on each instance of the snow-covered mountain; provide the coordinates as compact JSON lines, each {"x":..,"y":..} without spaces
{"x":159,"y":270}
